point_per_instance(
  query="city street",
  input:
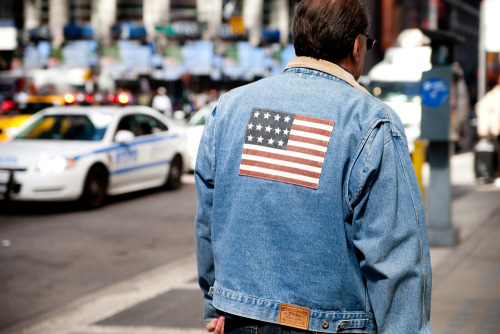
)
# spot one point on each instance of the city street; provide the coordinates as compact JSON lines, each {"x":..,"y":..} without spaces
{"x":54,"y":253}
{"x":129,"y":267}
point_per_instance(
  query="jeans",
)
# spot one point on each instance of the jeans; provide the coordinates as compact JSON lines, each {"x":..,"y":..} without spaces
{"x":249,"y":326}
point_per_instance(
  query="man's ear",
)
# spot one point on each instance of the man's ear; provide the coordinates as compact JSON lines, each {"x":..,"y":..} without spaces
{"x":356,"y":50}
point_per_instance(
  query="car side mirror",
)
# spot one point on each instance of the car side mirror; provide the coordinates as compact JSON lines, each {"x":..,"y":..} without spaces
{"x":123,"y":136}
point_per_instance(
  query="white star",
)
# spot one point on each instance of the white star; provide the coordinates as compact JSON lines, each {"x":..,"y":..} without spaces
{"x":276,"y":117}
{"x":250,"y":126}
{"x":280,"y":143}
{"x":266,"y":115}
{"x":268,"y":128}
{"x":256,"y":114}
{"x":250,"y":138}
{"x":287,"y":119}
{"x":270,"y":141}
{"x":277,"y":131}
{"x":285,"y":132}
{"x":258,"y":127}
{"x":260,"y":139}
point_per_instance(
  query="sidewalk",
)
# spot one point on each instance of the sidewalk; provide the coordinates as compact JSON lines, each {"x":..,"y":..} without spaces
{"x":466,"y":282}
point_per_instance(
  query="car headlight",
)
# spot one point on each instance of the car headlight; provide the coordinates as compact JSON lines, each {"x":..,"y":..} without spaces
{"x":54,"y":165}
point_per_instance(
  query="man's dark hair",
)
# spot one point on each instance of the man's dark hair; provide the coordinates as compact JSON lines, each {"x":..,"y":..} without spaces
{"x":327,"y":29}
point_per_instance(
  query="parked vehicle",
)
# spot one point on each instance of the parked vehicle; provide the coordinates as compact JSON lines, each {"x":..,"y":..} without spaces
{"x":396,"y":80}
{"x":16,"y":116}
{"x":194,"y":130}
{"x":86,"y":153}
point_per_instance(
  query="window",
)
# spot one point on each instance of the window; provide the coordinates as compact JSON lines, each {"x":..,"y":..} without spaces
{"x":183,"y":10}
{"x":150,"y":125}
{"x":79,"y":11}
{"x":129,"y":10}
{"x":64,"y":127}
{"x":129,"y":123}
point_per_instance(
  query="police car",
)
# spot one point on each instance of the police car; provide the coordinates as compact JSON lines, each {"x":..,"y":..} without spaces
{"x":88,"y":153}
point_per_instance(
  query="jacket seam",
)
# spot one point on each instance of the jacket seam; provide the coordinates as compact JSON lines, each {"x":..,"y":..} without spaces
{"x":214,"y":115}
{"x":423,"y":322}
{"x":356,"y":158}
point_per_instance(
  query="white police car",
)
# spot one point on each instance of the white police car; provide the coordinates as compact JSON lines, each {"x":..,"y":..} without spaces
{"x":87,"y":153}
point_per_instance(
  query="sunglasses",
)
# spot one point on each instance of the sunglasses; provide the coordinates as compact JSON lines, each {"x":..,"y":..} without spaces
{"x":370,"y":41}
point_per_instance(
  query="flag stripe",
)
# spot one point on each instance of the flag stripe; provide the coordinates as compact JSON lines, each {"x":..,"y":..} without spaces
{"x":285,"y":157}
{"x":313,"y":125}
{"x":309,"y":140}
{"x":281,"y":168}
{"x":275,"y":177}
{"x":305,"y":150}
{"x":306,"y":145}
{"x":279,"y":178}
{"x":309,"y":135}
{"x":281,"y":163}
{"x":311,"y":129}
{"x":279,"y":173}
{"x":314,"y":119}
{"x":293,"y":156}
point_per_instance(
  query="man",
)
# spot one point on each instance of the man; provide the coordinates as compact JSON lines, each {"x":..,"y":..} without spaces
{"x":161,"y":102}
{"x":310,"y":217}
{"x":488,"y":122}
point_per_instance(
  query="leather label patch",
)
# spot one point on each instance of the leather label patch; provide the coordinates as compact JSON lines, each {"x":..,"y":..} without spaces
{"x":293,"y":316}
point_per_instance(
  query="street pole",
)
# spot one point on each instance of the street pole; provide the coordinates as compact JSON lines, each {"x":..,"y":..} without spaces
{"x":433,"y":14}
{"x":481,"y":76}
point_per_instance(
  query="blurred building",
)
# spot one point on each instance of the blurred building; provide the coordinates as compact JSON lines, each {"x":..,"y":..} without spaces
{"x":165,"y":25}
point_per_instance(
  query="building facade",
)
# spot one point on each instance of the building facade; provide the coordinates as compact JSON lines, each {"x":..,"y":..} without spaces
{"x":258,"y":22}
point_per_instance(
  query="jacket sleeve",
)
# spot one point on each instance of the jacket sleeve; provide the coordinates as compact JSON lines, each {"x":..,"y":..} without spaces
{"x":204,"y":177}
{"x":390,"y":234}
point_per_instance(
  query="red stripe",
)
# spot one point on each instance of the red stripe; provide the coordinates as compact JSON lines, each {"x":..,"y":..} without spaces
{"x":279,"y":178}
{"x":305,"y":151}
{"x":308,"y":140}
{"x":280,"y":168}
{"x":314,"y":120}
{"x":283,"y":157}
{"x":311,"y":130}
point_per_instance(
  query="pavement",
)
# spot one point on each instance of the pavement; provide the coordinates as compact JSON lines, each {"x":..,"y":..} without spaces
{"x":465,"y":295}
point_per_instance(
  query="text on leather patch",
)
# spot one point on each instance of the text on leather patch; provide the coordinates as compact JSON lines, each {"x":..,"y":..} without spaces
{"x":293,"y":316}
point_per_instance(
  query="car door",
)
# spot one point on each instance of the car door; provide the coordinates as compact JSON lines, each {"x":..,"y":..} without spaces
{"x":161,"y":148}
{"x":128,"y":158}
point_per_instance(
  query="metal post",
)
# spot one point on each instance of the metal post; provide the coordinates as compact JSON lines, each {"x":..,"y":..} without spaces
{"x":252,"y":18}
{"x":58,"y":18}
{"x":433,"y":14}
{"x":438,"y":195}
{"x":435,"y":127}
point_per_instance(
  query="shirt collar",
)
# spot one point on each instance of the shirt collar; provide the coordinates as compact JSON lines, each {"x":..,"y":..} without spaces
{"x":327,"y":67}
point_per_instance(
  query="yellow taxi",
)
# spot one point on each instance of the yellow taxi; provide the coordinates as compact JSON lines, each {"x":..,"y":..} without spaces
{"x":13,"y":118}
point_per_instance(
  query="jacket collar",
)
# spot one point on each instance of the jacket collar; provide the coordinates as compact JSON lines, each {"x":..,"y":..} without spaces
{"x":327,"y":67}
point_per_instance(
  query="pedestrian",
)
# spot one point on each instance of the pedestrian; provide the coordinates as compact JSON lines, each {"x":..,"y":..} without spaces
{"x":488,"y":123}
{"x":310,"y":217}
{"x":162,"y":103}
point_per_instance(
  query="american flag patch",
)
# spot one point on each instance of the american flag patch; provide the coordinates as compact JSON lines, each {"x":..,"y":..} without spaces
{"x":285,"y":147}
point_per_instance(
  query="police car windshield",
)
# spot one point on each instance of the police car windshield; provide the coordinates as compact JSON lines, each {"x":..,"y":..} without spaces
{"x":395,"y":91}
{"x":65,"y":127}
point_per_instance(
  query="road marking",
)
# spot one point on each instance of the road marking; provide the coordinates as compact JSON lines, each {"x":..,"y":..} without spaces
{"x":77,"y":317}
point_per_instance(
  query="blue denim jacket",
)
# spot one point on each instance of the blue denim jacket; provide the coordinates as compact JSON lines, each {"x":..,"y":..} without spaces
{"x":345,"y":239}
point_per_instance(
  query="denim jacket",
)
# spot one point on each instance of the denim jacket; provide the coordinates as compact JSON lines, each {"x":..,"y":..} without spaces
{"x":315,"y":205}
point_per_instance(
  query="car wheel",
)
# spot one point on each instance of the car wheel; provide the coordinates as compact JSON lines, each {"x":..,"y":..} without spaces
{"x":175,"y":173}
{"x":94,"y":188}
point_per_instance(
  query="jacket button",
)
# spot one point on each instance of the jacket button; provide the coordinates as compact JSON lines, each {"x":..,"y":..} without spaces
{"x":342,"y":325}
{"x":325,"y":324}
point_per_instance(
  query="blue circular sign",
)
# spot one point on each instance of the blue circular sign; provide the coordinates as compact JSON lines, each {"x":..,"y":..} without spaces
{"x":434,"y":92}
